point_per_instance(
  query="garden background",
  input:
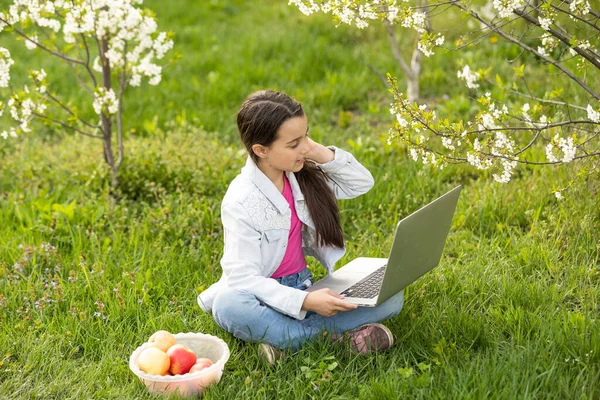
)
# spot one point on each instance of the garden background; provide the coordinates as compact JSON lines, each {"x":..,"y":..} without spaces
{"x":511,"y":312}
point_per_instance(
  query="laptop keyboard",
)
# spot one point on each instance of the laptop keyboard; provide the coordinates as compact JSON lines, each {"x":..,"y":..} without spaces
{"x":368,"y":287}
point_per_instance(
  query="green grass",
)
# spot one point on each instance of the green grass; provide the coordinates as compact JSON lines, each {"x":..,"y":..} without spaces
{"x":511,"y":312}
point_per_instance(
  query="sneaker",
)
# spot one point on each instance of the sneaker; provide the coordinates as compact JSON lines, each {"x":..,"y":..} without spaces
{"x":370,"y":338}
{"x":270,"y":354}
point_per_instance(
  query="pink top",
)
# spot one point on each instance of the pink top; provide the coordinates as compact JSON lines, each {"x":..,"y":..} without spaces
{"x":293,"y":260}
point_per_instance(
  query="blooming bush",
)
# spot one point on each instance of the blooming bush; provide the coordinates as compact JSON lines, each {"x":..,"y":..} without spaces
{"x":503,"y":134}
{"x":109,"y":45}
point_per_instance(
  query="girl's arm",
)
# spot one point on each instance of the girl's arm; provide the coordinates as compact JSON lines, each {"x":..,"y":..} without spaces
{"x":347,"y":177}
{"x":242,"y":263}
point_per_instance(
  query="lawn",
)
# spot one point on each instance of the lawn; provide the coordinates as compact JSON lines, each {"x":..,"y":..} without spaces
{"x":512,"y":311}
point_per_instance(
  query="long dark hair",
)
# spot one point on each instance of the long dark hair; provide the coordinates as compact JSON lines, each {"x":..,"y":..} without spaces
{"x":258,"y":120}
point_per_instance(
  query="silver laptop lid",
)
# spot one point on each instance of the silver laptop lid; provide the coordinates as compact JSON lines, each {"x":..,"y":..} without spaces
{"x":418,"y":244}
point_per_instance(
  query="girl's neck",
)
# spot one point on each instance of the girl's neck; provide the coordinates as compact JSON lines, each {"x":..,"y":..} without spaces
{"x":275,"y":175}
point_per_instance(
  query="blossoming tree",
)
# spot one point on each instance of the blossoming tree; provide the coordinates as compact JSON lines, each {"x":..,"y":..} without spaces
{"x":108,"y":46}
{"x":505,"y":132}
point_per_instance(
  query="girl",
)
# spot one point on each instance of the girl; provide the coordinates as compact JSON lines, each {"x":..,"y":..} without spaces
{"x":281,"y":207}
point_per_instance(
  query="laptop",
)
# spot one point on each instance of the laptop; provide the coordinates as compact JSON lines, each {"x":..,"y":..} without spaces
{"x":416,"y":250}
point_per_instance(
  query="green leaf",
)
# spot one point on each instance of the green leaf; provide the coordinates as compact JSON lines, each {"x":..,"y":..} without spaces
{"x":555,"y":93}
{"x":519,"y":71}
{"x":423,"y":366}
{"x":499,"y":81}
{"x":406,"y":372}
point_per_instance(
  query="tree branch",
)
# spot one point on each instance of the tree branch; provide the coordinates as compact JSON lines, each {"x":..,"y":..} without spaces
{"x":66,"y":125}
{"x":395,"y":50}
{"x":374,"y":70}
{"x":87,"y":60}
{"x":67,"y":109}
{"x":535,"y":138}
{"x":531,"y":97}
{"x":588,"y":55}
{"x":531,"y":50}
{"x":59,"y":55}
{"x":585,"y":21}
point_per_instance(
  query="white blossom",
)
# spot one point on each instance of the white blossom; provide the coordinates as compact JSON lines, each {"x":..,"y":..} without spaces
{"x":480,"y":163}
{"x":448,"y":143}
{"x":105,"y":101}
{"x":580,"y":7}
{"x":548,"y":41}
{"x":469,"y":77}
{"x":593,"y":115}
{"x":567,"y":146}
{"x":558,"y":195}
{"x":401,"y":121}
{"x":507,"y":166}
{"x":506,"y":7}
{"x":545,"y":22}
{"x":550,"y":153}
{"x":31,"y":44}
{"x":349,"y":13}
{"x":414,"y":154}
{"x":525,"y":113}
{"x":116,"y":21}
{"x":425,"y":49}
{"x":5,"y":64}
{"x":488,"y":121}
{"x":12,"y":132}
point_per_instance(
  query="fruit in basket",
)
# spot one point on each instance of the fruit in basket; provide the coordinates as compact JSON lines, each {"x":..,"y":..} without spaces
{"x":161,"y":340}
{"x":182,"y":358}
{"x":201,"y":363}
{"x":154,"y":361}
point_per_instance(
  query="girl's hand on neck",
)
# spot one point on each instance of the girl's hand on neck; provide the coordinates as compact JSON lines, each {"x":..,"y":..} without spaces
{"x":319,"y":153}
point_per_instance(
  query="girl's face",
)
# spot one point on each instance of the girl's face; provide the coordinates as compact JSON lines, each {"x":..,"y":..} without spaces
{"x":287,"y":152}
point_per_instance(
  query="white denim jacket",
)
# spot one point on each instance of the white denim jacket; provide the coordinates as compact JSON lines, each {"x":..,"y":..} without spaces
{"x":256,"y":224}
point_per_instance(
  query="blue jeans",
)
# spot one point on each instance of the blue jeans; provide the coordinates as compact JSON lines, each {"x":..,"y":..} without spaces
{"x":243,"y":315}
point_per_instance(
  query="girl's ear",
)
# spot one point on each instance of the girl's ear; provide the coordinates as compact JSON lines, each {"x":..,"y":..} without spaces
{"x":260,"y":150}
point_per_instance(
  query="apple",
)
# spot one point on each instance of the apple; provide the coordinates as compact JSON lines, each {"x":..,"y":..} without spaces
{"x":182,"y":358}
{"x":154,"y":361}
{"x":201,"y":363}
{"x":161,"y":340}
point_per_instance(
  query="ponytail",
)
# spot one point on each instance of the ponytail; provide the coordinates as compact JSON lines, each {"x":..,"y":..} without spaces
{"x":322,"y":205}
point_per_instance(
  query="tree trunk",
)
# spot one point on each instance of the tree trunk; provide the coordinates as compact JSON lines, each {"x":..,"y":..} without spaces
{"x":107,"y":123}
{"x":412,"y":87}
{"x":412,"y":71}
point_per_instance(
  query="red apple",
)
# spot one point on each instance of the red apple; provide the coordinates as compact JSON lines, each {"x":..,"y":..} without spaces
{"x":182,"y":358}
{"x":154,"y":361}
{"x":201,"y":363}
{"x":161,"y":340}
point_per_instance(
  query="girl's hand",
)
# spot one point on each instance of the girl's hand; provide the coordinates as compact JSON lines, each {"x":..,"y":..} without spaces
{"x":326,"y":302}
{"x":318,"y":153}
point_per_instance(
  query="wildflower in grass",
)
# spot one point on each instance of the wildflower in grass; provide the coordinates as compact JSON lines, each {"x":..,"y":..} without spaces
{"x":100,"y":307}
{"x":72,"y":276}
